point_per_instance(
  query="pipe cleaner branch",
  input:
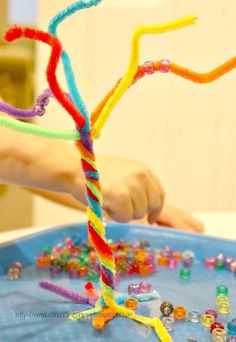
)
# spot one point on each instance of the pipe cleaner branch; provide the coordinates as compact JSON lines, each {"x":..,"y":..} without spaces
{"x":30,"y":128}
{"x":133,"y":63}
{"x":18,"y":32}
{"x":67,"y":65}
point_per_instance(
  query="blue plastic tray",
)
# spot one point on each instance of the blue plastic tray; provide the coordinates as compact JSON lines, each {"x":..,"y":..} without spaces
{"x":23,"y":303}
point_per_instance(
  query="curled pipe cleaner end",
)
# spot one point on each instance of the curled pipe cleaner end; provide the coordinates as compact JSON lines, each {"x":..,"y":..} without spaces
{"x":13,"y":33}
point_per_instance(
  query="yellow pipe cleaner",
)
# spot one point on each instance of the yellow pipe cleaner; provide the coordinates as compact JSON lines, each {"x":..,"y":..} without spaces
{"x":133,"y":64}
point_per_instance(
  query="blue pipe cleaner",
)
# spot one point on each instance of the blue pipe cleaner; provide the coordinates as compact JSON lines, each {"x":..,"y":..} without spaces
{"x":67,"y":65}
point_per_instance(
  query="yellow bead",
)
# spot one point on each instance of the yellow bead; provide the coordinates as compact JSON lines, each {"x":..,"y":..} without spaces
{"x":220,"y":299}
{"x":131,"y":303}
{"x":224,"y":307}
{"x":207,"y":320}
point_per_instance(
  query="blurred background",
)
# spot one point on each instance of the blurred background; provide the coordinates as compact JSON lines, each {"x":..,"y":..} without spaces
{"x":185,"y":132}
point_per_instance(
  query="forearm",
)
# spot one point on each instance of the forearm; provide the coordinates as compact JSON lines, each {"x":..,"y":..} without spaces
{"x":40,"y":163}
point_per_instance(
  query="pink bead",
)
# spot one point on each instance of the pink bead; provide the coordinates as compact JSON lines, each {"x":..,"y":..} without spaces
{"x":17,"y":264}
{"x":172,"y":263}
{"x":145,"y":287}
{"x":152,"y":268}
{"x":164,"y":65}
{"x":149,"y":67}
{"x":212,"y":312}
{"x":210,"y":263}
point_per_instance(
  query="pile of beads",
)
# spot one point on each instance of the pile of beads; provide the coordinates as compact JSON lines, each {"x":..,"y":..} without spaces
{"x":221,"y":262}
{"x":14,"y":271}
{"x":79,"y":259}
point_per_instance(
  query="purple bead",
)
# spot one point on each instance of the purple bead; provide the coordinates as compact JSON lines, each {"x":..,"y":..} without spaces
{"x":55,"y":270}
{"x":74,"y":273}
{"x":149,"y":67}
{"x":210,"y":263}
{"x":40,"y":110}
{"x":164,"y":65}
{"x":172,"y":263}
{"x":187,"y":262}
{"x":167,"y":251}
{"x":212,"y":312}
{"x":134,"y":289}
{"x":231,"y":338}
{"x":145,"y":287}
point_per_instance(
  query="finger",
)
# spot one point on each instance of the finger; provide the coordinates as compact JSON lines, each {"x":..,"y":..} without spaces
{"x":156,"y":197}
{"x":119,"y":208}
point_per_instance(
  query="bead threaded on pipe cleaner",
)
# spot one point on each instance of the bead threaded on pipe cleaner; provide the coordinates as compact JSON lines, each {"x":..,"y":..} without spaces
{"x":133,"y":64}
{"x":16,"y":33}
{"x":177,"y":70}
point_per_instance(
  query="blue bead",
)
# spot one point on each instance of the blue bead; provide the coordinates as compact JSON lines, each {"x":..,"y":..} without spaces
{"x":231,"y":326}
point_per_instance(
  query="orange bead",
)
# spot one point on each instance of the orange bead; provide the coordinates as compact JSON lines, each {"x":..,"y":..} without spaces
{"x":83,"y":272}
{"x":162,"y":261}
{"x":43,"y":261}
{"x":144,"y":270}
{"x":98,"y":322}
{"x":179,"y":312}
{"x":72,"y":265}
{"x":131,"y":303}
{"x":177,"y":256}
{"x":92,"y":257}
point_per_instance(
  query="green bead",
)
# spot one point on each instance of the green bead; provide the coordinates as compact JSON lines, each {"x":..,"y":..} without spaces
{"x":185,"y":273}
{"x":47,"y":250}
{"x":219,"y":266}
{"x":93,"y":276}
{"x":222,"y":290}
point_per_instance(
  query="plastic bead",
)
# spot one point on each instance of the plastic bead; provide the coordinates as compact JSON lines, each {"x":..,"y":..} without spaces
{"x":166,"y":308}
{"x":74,"y":274}
{"x":207,"y":320}
{"x":187,"y":261}
{"x":221,"y":299}
{"x":179,"y":312}
{"x":216,"y":325}
{"x":144,"y":270}
{"x":167,"y":251}
{"x":188,"y":254}
{"x":222,"y":290}
{"x":185,"y":273}
{"x":212,"y":312}
{"x":231,"y":338}
{"x":55,"y":270}
{"x":131,"y":303}
{"x":145,"y":287}
{"x":164,"y":65}
{"x":224,"y":307}
{"x":168,"y":322}
{"x":231,"y":326}
{"x":93,"y":276}
{"x":194,"y":316}
{"x":162,"y":261}
{"x":83,"y":271}
{"x":172,"y":263}
{"x":149,"y":67}
{"x":218,"y":335}
{"x":134,"y":289}
{"x":191,"y":340}
{"x":14,"y":273}
{"x":210,"y":263}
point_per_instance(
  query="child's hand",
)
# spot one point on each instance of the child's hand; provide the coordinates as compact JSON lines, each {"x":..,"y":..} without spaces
{"x":177,"y":218}
{"x":130,"y":190}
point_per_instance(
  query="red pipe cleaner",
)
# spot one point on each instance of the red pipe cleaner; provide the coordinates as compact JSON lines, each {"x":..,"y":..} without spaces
{"x":45,"y":37}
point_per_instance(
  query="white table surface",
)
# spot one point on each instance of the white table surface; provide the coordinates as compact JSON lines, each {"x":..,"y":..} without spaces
{"x":222,"y":224}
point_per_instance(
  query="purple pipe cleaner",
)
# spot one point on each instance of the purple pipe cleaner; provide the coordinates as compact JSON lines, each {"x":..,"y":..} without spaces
{"x":62,"y":291}
{"x":38,"y":110}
